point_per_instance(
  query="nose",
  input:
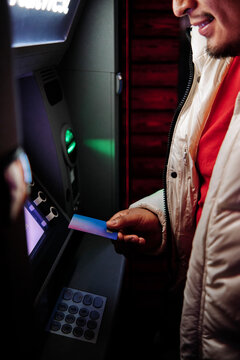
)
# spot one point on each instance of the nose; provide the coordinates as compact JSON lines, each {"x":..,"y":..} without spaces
{"x":183,"y":7}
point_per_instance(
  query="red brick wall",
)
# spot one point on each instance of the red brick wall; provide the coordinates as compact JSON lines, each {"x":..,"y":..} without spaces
{"x":152,"y":64}
{"x":150,"y":56}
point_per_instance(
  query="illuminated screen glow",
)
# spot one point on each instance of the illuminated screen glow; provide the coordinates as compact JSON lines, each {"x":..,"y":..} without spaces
{"x":34,"y":231}
{"x":43,"y":5}
{"x":35,"y":226}
{"x":36,"y":22}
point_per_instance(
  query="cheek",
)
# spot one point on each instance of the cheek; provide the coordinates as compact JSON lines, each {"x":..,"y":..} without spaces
{"x":224,"y":33}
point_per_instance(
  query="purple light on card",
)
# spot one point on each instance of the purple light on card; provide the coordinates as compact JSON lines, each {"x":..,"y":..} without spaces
{"x":92,"y":226}
{"x":33,"y":231}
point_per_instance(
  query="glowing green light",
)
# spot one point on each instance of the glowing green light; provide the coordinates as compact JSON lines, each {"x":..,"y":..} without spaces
{"x":70,"y":141}
{"x":103,"y":146}
{"x":68,"y":136}
{"x":71,"y":147}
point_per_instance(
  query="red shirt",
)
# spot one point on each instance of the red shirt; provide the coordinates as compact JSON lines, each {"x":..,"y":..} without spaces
{"x":215,"y":129}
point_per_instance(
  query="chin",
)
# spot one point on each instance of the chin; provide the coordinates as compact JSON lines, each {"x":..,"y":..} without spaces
{"x":229,"y":50}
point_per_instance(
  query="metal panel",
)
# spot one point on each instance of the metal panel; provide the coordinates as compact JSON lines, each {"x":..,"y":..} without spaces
{"x":89,"y":78}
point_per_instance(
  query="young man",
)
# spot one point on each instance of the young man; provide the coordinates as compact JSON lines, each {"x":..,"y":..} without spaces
{"x":199,"y":208}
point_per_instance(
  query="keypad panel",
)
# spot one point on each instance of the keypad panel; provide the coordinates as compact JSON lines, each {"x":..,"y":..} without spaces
{"x":77,"y":314}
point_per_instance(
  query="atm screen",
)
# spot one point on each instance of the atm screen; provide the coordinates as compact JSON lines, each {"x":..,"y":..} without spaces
{"x":46,"y":232}
{"x":36,"y":22}
{"x":36,"y":228}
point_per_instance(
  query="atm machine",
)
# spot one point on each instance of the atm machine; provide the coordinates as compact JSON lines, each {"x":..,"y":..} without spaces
{"x":67,"y":76}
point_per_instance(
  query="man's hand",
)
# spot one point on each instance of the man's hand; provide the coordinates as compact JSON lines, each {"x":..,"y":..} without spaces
{"x":138,"y":228}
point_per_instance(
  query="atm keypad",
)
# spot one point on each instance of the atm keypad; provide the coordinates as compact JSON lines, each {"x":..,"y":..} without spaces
{"x":77,"y":314}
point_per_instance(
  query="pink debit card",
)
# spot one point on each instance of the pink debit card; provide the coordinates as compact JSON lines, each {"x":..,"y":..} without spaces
{"x":92,"y":226}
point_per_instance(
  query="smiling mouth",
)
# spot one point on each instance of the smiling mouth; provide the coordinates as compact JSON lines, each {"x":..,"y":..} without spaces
{"x":205,"y":23}
{"x":207,"y":20}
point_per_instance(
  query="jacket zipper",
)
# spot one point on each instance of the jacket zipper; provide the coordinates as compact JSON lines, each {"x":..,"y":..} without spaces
{"x":170,"y":135}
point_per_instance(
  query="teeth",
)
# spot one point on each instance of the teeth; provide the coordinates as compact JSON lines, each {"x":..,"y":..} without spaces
{"x":206,"y":22}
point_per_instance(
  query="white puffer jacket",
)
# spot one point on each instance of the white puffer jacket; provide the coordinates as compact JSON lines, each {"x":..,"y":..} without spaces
{"x":210,"y":326}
